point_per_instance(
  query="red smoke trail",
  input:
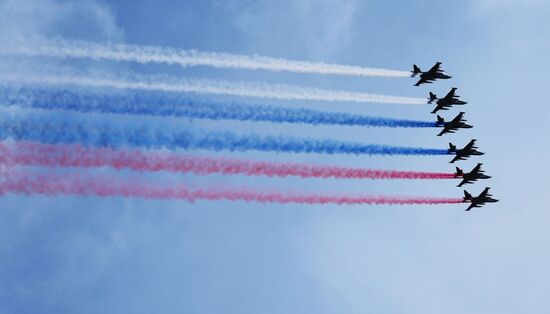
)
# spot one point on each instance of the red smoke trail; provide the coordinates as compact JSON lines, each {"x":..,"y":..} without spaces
{"x":53,"y":185}
{"x":26,"y":153}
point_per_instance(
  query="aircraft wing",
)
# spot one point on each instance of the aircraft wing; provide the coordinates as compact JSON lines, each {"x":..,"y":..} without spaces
{"x":441,"y":106}
{"x":459,"y":118}
{"x":476,"y":169}
{"x":451,"y":94}
{"x":435,"y":68}
{"x":422,"y":81}
{"x":448,"y":128}
{"x":464,"y":181}
{"x":470,"y":207}
{"x":470,"y":145}
{"x":437,"y":108}
{"x":484,"y":194}
{"x":457,"y":157}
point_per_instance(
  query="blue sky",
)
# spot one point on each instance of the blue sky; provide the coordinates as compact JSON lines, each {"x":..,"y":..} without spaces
{"x":115,"y":255}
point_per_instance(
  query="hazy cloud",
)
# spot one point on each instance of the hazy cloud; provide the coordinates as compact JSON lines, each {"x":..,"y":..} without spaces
{"x":28,"y":19}
{"x":322,"y":26}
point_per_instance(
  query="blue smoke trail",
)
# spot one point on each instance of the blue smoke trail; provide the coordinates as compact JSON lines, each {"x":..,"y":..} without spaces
{"x":54,"y":130}
{"x":161,"y":105}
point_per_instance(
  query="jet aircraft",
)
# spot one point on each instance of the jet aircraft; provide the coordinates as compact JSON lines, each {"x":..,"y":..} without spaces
{"x":452,"y":126}
{"x":472,"y":176}
{"x":446,"y":102}
{"x":429,"y":76}
{"x":463,"y":154}
{"x":480,"y":200}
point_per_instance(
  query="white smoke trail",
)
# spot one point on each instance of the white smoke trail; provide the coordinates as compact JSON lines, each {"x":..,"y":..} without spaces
{"x":150,"y":54}
{"x":203,"y":86}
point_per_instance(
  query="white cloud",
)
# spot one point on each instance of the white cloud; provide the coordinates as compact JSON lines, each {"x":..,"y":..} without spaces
{"x":30,"y":19}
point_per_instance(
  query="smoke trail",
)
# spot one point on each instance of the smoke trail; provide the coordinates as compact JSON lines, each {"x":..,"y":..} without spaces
{"x":161,"y":105}
{"x":148,"y":54}
{"x":54,"y":130}
{"x":53,"y":185}
{"x":204,"y":86}
{"x":33,"y":154}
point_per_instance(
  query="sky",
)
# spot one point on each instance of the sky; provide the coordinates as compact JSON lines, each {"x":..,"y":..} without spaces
{"x":70,"y":254}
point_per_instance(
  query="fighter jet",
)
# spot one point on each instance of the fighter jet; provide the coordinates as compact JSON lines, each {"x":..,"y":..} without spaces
{"x":463,"y":154}
{"x":472,"y":176}
{"x":446,"y":102}
{"x":430,"y":76}
{"x":453,"y":125}
{"x":480,"y":200}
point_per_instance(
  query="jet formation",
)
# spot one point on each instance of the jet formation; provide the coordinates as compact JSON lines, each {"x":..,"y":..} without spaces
{"x":450,"y":100}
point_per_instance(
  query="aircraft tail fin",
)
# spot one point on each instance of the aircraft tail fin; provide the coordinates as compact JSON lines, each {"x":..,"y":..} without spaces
{"x":432,"y":98}
{"x":452,"y":148}
{"x":459,"y":172}
{"x":467,"y":196}
{"x":415,"y":71}
{"x":440,"y":120}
